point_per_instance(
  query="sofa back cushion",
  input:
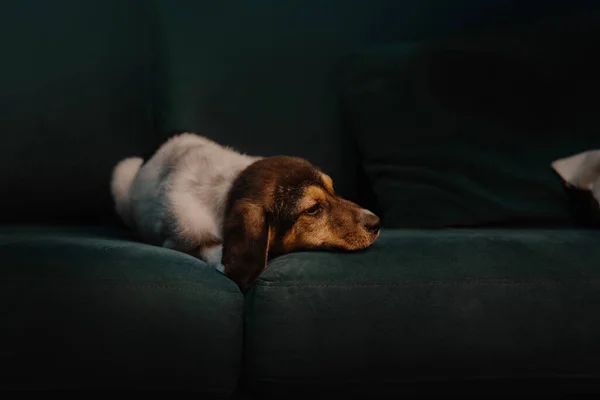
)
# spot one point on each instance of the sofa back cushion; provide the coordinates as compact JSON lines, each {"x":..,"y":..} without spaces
{"x":461,"y":131}
{"x":259,"y":75}
{"x":84,"y":84}
{"x":75,"y":96}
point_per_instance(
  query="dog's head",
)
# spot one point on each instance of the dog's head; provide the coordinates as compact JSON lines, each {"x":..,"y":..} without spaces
{"x":282,"y":204}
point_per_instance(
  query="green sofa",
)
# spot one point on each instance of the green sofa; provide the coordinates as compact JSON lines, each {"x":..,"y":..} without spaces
{"x":443,"y":117}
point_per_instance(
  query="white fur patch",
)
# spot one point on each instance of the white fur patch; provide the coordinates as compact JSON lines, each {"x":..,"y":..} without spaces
{"x":581,"y":170}
{"x":212,"y":255}
{"x":123,"y":175}
{"x":177,"y":198}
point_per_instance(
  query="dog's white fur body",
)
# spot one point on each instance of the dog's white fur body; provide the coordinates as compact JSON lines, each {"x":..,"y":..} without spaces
{"x":177,"y":198}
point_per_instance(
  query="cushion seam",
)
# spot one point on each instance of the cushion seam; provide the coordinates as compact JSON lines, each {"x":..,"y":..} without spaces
{"x":426,"y":379}
{"x":420,"y":283}
{"x":117,"y":283}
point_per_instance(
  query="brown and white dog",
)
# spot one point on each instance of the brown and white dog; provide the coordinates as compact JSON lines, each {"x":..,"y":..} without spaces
{"x":198,"y":197}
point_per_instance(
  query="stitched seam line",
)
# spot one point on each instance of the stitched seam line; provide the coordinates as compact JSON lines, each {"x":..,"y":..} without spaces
{"x":179,"y":288}
{"x":470,"y":379}
{"x":424,"y":379}
{"x":417,"y":283}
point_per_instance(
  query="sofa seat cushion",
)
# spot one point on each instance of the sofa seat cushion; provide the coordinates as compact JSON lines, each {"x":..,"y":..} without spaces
{"x":428,"y":305}
{"x":91,"y":309}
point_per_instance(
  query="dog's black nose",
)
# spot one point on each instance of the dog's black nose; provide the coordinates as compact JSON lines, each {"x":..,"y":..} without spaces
{"x":371,"y":222}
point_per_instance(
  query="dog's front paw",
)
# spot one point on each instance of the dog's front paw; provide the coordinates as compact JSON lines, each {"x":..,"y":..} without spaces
{"x":212,"y":255}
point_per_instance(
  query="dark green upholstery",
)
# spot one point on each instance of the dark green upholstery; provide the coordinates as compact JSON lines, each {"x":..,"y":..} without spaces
{"x":461,"y":131}
{"x":260,"y":75}
{"x":90,"y":308}
{"x":84,"y":84}
{"x":75,"y":98}
{"x":427,"y":305}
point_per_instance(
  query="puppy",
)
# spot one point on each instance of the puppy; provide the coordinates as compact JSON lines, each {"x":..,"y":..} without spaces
{"x":198,"y":197}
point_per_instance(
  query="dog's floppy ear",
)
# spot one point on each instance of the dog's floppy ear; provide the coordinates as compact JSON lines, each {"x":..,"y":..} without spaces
{"x":246,"y":241}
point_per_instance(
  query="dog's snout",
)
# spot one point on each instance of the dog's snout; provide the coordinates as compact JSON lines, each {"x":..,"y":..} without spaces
{"x":371,"y":221}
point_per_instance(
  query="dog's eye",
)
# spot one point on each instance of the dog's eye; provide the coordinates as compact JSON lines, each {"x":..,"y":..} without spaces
{"x":313,"y":209}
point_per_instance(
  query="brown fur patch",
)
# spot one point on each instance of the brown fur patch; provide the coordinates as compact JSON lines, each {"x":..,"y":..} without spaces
{"x":270,"y":237}
{"x":310,"y":195}
{"x":289,"y":239}
{"x":328,"y":182}
{"x":270,"y":212}
{"x":253,"y":217}
{"x":312,"y":233}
